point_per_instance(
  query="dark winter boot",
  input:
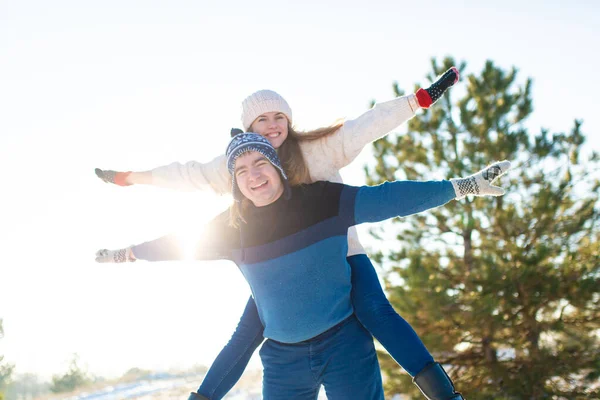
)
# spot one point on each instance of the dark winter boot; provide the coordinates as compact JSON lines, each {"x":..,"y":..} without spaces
{"x":426,"y":97}
{"x":196,"y":396}
{"x":435,"y":383}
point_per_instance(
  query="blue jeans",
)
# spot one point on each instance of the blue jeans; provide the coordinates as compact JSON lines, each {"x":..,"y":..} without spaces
{"x":342,"y":359}
{"x":372,"y":309}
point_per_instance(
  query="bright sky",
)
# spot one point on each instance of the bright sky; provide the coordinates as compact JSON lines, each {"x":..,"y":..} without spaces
{"x":131,"y":85}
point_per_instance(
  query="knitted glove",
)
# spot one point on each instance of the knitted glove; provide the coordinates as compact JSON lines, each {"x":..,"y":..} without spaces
{"x":115,"y":256}
{"x":426,"y":97}
{"x":118,"y":178}
{"x":480,"y":184}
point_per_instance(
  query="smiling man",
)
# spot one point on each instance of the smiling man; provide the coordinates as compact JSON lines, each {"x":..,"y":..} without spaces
{"x":291,"y":245}
{"x":257,"y":180}
{"x":256,"y":177}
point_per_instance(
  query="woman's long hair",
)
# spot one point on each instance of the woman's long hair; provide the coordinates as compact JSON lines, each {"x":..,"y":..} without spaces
{"x":291,"y":156}
{"x":292,"y":161}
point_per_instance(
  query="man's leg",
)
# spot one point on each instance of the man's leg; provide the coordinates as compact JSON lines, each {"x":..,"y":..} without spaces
{"x":350,"y":366}
{"x":286,"y":372}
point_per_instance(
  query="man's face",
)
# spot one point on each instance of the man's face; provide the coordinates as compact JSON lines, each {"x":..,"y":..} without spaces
{"x":258,"y":180}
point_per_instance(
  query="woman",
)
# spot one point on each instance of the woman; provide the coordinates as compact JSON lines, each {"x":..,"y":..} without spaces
{"x":308,"y":157}
{"x":298,"y":271}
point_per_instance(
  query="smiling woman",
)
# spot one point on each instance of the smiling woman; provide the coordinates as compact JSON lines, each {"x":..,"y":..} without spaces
{"x":273,"y":126}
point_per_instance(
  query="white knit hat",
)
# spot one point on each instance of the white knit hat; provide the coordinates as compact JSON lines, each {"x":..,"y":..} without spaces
{"x":261,"y":102}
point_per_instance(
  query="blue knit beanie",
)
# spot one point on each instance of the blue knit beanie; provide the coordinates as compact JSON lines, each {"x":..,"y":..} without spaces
{"x":243,"y":143}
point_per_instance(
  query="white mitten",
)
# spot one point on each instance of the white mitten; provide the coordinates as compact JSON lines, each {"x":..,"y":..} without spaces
{"x":115,"y":256}
{"x":480,"y":184}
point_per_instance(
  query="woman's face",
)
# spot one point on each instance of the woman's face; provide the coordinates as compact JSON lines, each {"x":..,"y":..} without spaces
{"x":273,"y":126}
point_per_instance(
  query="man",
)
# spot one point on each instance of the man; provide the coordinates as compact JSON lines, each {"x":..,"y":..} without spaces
{"x":290,"y":243}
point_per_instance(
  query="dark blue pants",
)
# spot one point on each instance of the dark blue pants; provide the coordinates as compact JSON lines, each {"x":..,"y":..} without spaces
{"x":371,"y":308}
{"x":342,"y":359}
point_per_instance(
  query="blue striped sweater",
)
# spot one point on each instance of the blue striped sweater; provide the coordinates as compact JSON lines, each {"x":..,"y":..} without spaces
{"x":293,"y":252}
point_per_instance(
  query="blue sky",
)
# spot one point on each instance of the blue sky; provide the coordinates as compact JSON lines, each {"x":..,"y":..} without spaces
{"x":138,"y":84}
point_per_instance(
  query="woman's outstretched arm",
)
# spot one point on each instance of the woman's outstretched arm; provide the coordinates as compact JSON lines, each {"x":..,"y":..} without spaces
{"x":346,"y":144}
{"x":192,"y":175}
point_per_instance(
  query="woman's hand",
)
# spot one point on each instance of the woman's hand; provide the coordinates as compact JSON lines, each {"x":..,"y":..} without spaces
{"x":118,"y":178}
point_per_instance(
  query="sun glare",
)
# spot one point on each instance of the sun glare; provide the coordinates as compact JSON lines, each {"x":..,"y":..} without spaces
{"x":189,"y":240}
{"x":193,"y":220}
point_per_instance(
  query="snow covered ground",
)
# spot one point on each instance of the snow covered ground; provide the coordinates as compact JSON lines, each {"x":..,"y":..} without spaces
{"x":167,"y":388}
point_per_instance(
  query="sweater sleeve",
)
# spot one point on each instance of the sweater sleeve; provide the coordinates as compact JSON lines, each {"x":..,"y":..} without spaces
{"x":214,"y":243}
{"x":392,"y":199}
{"x":166,"y":248}
{"x":346,"y":144}
{"x":193,"y":175}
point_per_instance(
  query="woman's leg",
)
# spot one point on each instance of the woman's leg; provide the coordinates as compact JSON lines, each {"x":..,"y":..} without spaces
{"x":375,"y":312}
{"x":229,"y":365}
{"x":395,"y":334}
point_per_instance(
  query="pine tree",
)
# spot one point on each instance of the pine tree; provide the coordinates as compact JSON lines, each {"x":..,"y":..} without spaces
{"x":505,"y":291}
{"x":76,"y":377}
{"x":5,"y":369}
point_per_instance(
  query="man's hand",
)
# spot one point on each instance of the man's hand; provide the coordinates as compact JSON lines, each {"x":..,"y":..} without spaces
{"x":115,"y":256}
{"x":118,"y":178}
{"x":480,"y":184}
